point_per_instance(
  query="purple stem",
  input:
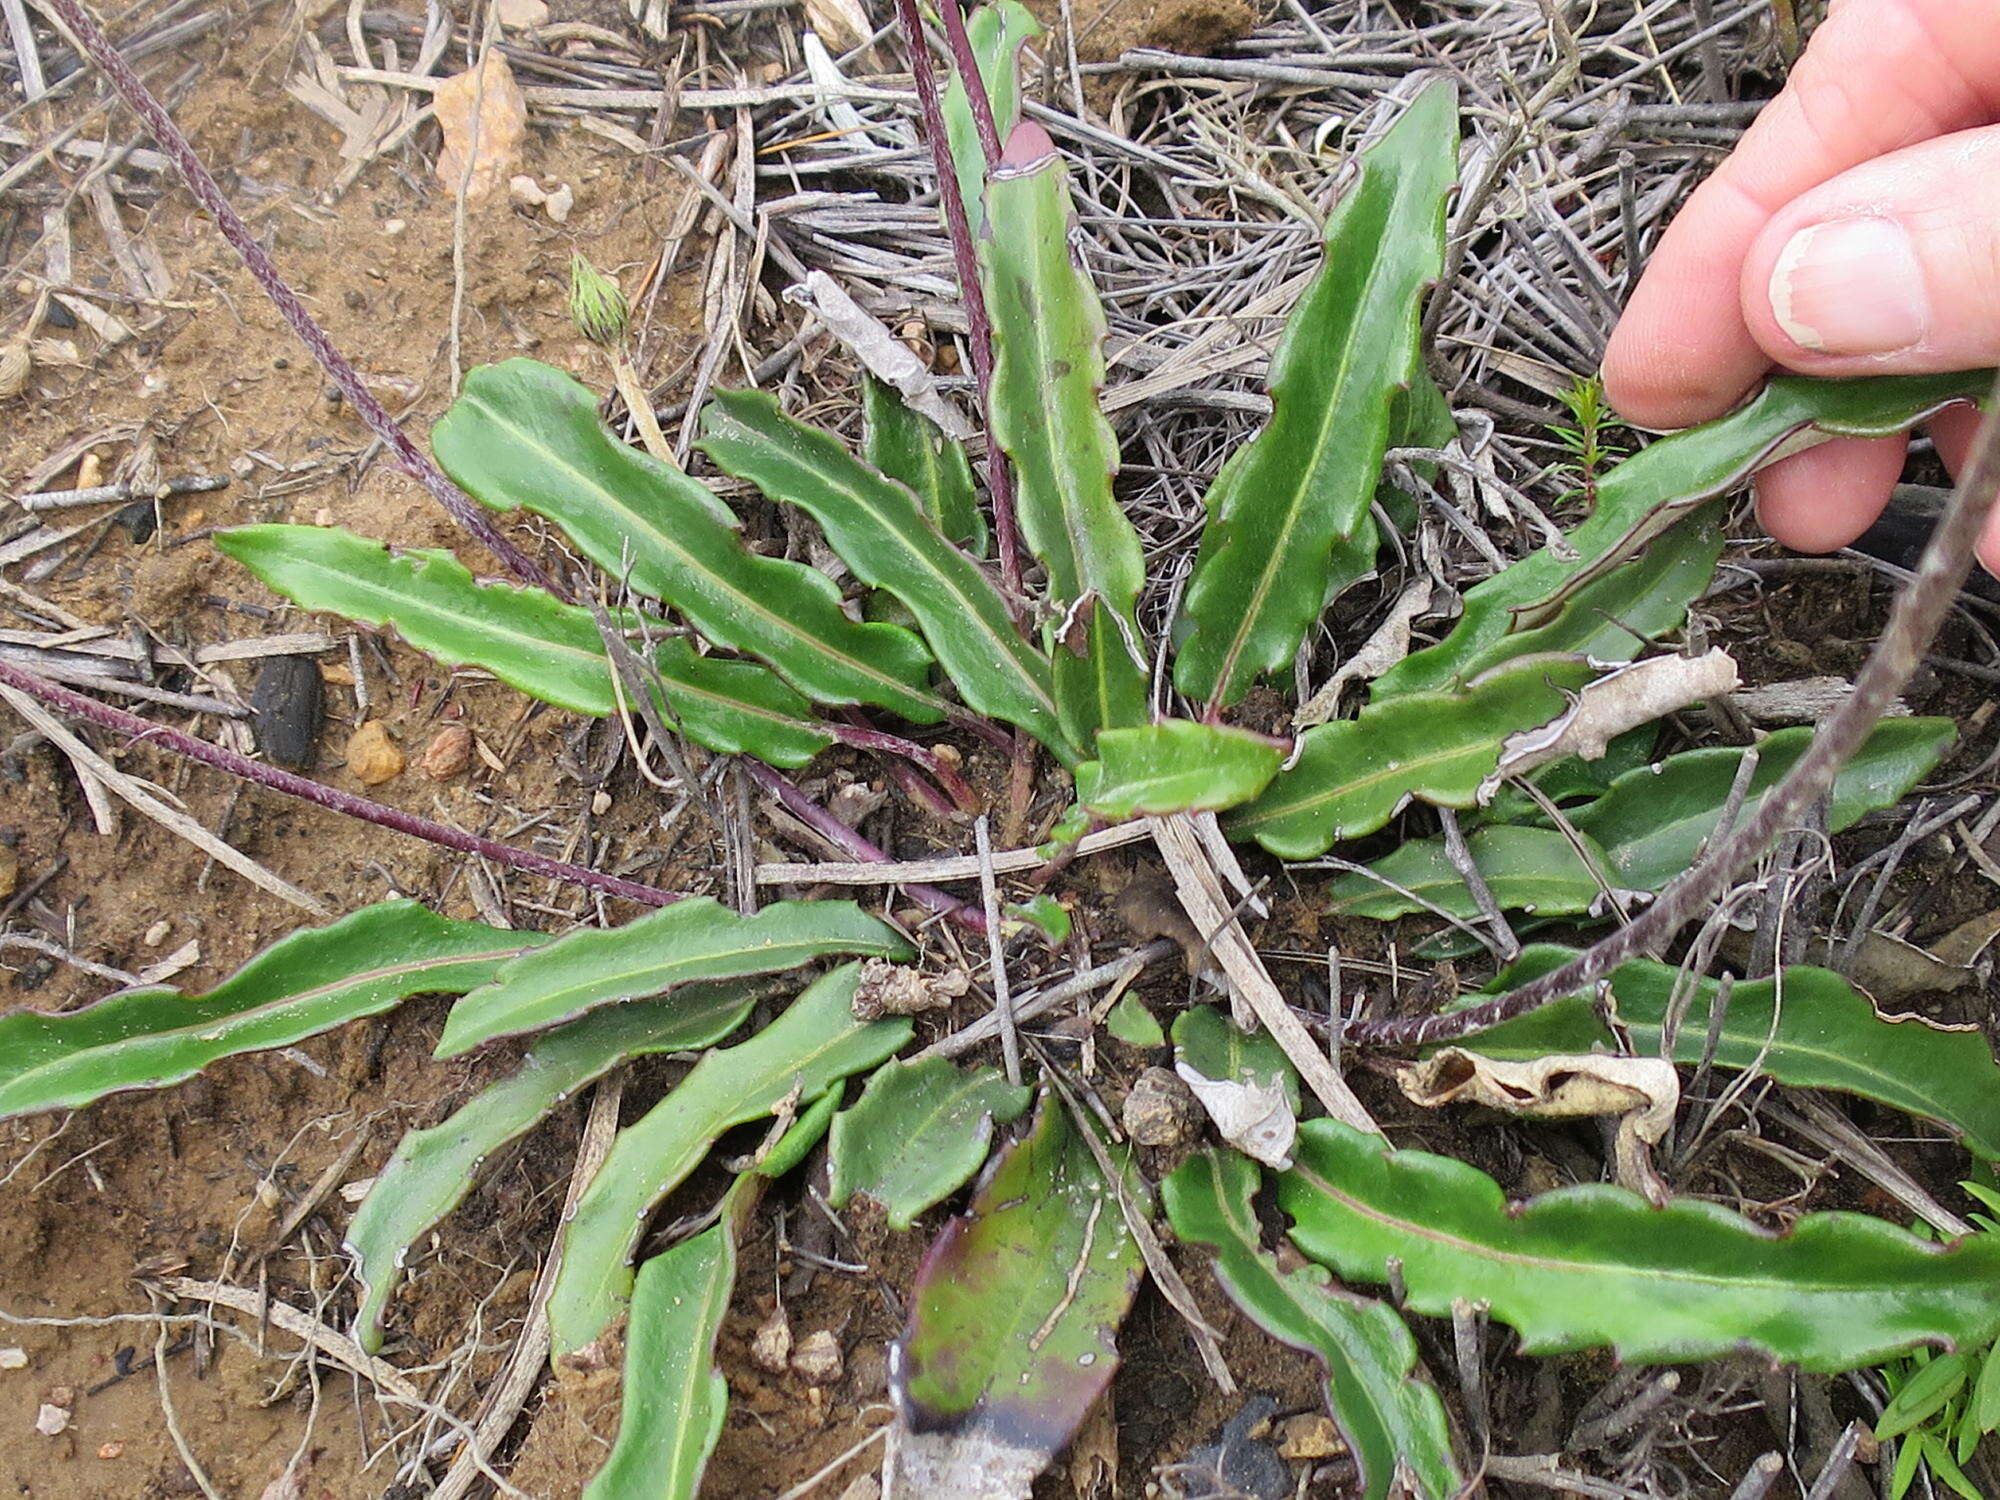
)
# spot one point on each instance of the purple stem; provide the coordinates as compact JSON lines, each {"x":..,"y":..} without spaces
{"x":167,"y":135}
{"x":278,"y":780}
{"x":967,"y":62}
{"x":837,"y":833}
{"x":979,"y":327}
{"x":863,"y":737}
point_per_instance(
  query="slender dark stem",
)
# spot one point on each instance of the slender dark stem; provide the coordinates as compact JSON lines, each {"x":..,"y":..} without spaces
{"x":979,"y":327}
{"x":864,"y":737}
{"x":209,"y":195}
{"x":278,"y":780}
{"x":837,"y":833}
{"x":967,"y":63}
{"x":1920,"y":609}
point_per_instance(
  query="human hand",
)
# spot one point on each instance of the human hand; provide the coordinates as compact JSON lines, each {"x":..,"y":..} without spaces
{"x":1854,"y":231}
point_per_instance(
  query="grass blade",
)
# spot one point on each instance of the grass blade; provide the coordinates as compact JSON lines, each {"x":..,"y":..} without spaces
{"x":882,"y":533}
{"x":1012,"y":1331}
{"x":812,"y":1046}
{"x":1390,"y":1415}
{"x":1350,"y":777}
{"x":524,"y":434}
{"x":918,"y":1133}
{"x":1597,"y":1266}
{"x":1174,"y":766}
{"x":695,"y":939}
{"x":1813,"y":1030}
{"x":908,"y":447}
{"x":309,"y":982}
{"x":432,"y":1170}
{"x":1650,"y":491}
{"x":1302,"y":486}
{"x":1048,"y":366}
{"x":527,"y":638}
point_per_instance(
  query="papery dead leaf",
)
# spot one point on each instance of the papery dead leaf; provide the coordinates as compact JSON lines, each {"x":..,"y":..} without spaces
{"x":842,"y":23}
{"x":1891,"y":970}
{"x":1252,"y":1114}
{"x":881,"y":353}
{"x":1618,"y":701}
{"x":486,"y":97}
{"x":1643,"y":1091}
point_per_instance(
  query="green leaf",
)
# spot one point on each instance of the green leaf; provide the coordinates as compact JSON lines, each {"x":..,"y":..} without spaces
{"x":1610,"y":618}
{"x":1174,"y":766}
{"x":997,"y":32}
{"x":694,"y":939}
{"x":675,"y":1396}
{"x":1596,"y":1265}
{"x":736,"y":707}
{"x":1390,"y":1415}
{"x":880,"y":531}
{"x":808,"y":1049}
{"x":1045,"y":914}
{"x":1816,"y":1031}
{"x":1012,"y":1331}
{"x":1048,"y":366}
{"x":309,"y":982}
{"x":907,"y":446}
{"x":1647,"y":827}
{"x":527,"y":638}
{"x":1653,"y":821}
{"x":918,"y":1133}
{"x":1536,"y":870}
{"x":1653,"y":488}
{"x":1284,"y":500}
{"x":524,"y":434}
{"x":1133,"y":1024}
{"x":432,"y":1170}
{"x":1351,"y":776}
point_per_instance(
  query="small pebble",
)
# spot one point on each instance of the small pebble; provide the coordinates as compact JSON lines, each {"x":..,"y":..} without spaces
{"x":52,"y":1420}
{"x":372,"y":756}
{"x":1310,"y":1435}
{"x":818,"y":1359}
{"x":771,"y":1348}
{"x":13,"y":1358}
{"x":600,"y":804}
{"x":111,"y":1450}
{"x":448,"y":753}
{"x":157,"y":933}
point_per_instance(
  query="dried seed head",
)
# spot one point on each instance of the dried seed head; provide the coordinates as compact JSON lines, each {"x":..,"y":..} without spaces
{"x":596,"y":304}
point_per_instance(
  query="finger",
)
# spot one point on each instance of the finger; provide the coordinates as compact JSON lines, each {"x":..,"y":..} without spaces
{"x":1880,"y":75}
{"x":1892,"y":268}
{"x":1825,"y":497}
{"x":1953,"y":432}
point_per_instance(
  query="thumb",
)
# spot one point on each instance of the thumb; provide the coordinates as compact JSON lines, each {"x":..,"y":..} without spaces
{"x":1893,"y":267}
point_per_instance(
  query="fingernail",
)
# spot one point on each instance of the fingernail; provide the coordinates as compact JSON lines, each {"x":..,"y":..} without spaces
{"x":1851,"y":287}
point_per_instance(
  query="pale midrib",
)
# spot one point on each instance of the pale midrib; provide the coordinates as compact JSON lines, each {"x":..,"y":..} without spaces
{"x":778,"y":623}
{"x":439,"y":612}
{"x":305,"y":998}
{"x":709,"y":1119}
{"x":1268,"y":571}
{"x":1730,"y":1281}
{"x":601,"y":984}
{"x":677,"y":688}
{"x":899,"y":532}
{"x":1318,"y":800}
